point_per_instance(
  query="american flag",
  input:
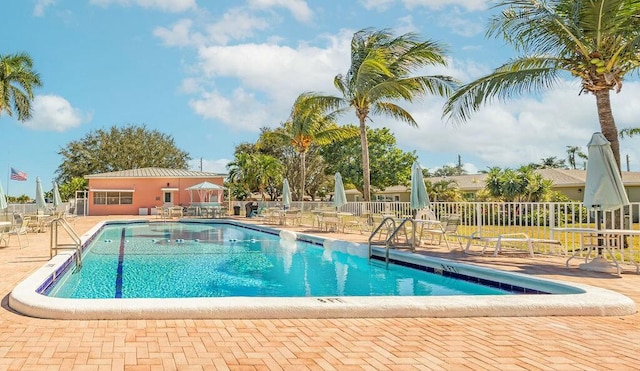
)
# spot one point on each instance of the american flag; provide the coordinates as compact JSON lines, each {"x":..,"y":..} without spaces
{"x":18,"y":175}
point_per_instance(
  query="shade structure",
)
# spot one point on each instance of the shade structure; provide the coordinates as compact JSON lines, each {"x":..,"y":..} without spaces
{"x":205,"y":190}
{"x":286,"y":194}
{"x":3,"y":199}
{"x":57,"y":200}
{"x":41,"y":204}
{"x":603,"y":191}
{"x":603,"y":187}
{"x":419,"y":197}
{"x":339,"y":197}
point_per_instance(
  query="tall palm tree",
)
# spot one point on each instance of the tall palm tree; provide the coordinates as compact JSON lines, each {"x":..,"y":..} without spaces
{"x":597,"y":41}
{"x":381,"y":74}
{"x":310,"y":123}
{"x":17,"y":80}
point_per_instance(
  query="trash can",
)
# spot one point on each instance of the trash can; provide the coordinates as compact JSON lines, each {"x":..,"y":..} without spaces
{"x":236,"y":210}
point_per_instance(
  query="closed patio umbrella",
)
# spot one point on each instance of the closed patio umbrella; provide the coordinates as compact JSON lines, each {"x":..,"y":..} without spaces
{"x":339,"y":196}
{"x":603,"y":190}
{"x":3,"y":199}
{"x":57,"y":200}
{"x":286,"y":194}
{"x":419,"y":198}
{"x":41,"y":205}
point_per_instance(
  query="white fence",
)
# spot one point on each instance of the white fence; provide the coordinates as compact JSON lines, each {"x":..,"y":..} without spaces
{"x":537,"y":219}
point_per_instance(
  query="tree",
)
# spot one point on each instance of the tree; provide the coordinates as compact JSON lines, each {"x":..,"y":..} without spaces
{"x":310,"y":123}
{"x":522,"y":184}
{"x":68,"y":190}
{"x":444,"y":190}
{"x":390,"y":165}
{"x":17,"y":80}
{"x":629,"y":132}
{"x":572,"y":152}
{"x":551,"y":162}
{"x":129,"y":147}
{"x":380,"y":75}
{"x":250,"y":172}
{"x":449,"y":170}
{"x":596,"y":41}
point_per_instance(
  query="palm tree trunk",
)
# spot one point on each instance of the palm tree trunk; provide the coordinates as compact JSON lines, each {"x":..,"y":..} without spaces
{"x":366,"y":171}
{"x":607,"y":123}
{"x":303,"y":169}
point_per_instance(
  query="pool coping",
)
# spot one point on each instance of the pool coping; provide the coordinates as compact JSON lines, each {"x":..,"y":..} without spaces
{"x":585,"y":300}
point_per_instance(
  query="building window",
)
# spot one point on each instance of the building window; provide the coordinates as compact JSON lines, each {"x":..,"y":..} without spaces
{"x":113,"y":198}
{"x":386,"y":198}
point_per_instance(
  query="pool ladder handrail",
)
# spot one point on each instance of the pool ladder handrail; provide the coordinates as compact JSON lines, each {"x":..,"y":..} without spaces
{"x":55,"y":244}
{"x":390,"y":238}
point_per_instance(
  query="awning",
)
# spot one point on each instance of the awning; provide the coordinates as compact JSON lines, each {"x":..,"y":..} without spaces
{"x":169,"y":189}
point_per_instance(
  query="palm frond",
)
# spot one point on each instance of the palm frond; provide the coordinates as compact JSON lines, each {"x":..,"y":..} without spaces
{"x":394,"y":111}
{"x":525,"y":75}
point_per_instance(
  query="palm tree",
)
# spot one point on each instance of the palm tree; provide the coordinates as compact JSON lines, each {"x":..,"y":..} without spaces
{"x":380,"y":75}
{"x":596,"y":41}
{"x":551,"y":162}
{"x":629,"y":132}
{"x":310,"y":123}
{"x":268,"y":172}
{"x":573,"y":151}
{"x":17,"y":80}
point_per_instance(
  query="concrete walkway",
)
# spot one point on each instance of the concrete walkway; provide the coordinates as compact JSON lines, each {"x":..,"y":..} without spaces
{"x":536,"y":343}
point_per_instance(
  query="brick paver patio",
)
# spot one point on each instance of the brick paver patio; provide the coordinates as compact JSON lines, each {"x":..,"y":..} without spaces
{"x":534,"y":343}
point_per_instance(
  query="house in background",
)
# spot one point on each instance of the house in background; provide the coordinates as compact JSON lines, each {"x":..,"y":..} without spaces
{"x":566,"y":181}
{"x":139,"y":191}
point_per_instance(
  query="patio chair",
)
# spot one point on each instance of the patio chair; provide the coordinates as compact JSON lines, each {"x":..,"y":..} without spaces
{"x":447,"y":227}
{"x":330,"y":221}
{"x":352,"y":222}
{"x":293,"y":215}
{"x":19,"y":229}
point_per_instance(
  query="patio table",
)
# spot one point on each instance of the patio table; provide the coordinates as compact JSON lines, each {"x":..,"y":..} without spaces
{"x":607,"y":239}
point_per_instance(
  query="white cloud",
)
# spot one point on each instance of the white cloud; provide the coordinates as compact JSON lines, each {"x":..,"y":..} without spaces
{"x":271,"y":77}
{"x":236,"y":24}
{"x":281,"y":72}
{"x":379,"y":5}
{"x":54,"y":113}
{"x":41,"y":5}
{"x":242,"y":111}
{"x":179,"y":34}
{"x":174,"y":6}
{"x":462,"y":25}
{"x":469,"y":5}
{"x":298,"y":8}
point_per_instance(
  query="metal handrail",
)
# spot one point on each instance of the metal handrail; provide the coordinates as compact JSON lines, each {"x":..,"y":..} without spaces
{"x":388,"y":241}
{"x":55,"y":245}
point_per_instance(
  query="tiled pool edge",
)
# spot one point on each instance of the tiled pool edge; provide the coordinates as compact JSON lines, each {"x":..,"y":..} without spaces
{"x":593,"y":302}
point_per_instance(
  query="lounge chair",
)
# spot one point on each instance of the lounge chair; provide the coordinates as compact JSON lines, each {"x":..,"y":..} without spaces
{"x":447,"y":227}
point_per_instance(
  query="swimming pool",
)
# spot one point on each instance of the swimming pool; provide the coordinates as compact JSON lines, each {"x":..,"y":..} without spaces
{"x":186,"y":260}
{"x":340,"y":298}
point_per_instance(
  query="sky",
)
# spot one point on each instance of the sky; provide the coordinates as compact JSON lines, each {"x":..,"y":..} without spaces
{"x":212,"y":73}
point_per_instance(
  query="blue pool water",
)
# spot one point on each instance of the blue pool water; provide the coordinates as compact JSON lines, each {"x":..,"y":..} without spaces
{"x":182,"y":260}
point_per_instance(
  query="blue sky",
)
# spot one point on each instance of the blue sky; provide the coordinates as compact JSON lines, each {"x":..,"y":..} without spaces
{"x":212,"y":73}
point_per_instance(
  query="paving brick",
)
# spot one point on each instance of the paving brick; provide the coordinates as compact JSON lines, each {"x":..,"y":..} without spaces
{"x":538,"y":343}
